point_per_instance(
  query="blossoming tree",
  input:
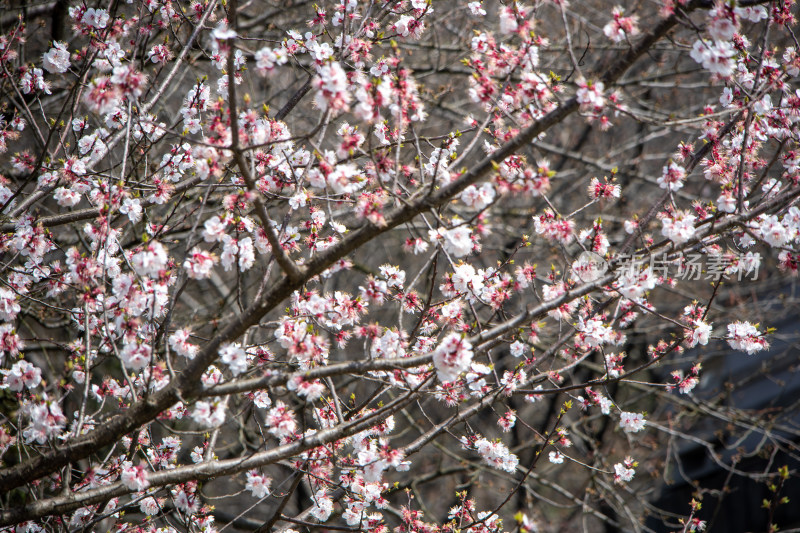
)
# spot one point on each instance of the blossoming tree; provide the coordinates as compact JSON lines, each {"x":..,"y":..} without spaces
{"x":383,"y":265}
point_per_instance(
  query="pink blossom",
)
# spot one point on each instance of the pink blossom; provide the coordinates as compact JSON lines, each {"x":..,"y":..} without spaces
{"x":47,"y":420}
{"x":508,"y":19}
{"x":621,"y":27}
{"x":695,"y":524}
{"x":685,"y":384}
{"x":159,"y":54}
{"x":281,"y":421}
{"x":752,"y":13}
{"x":408,"y":26}
{"x":150,"y":259}
{"x":452,"y":357}
{"x":590,"y":96}
{"x":698,"y":334}
{"x":21,"y":375}
{"x":600,"y":191}
{"x":554,"y":229}
{"x":723,"y":23}
{"x":102,"y":96}
{"x":10,"y":342}
{"x":136,"y":356}
{"x":595,"y":334}
{"x":134,"y":477}
{"x":311,"y":390}
{"x":33,"y":81}
{"x":476,"y":8}
{"x":66,"y":197}
{"x":517,"y":349}
{"x":149,"y":506}
{"x":187,"y":502}
{"x":394,"y":276}
{"x":478,"y":198}
{"x":507,"y":421}
{"x":773,"y":231}
{"x":214,"y":229}
{"x":727,"y":202}
{"x":199,"y":263}
{"x":129,"y":80}
{"x":331,"y":84}
{"x":267,"y":59}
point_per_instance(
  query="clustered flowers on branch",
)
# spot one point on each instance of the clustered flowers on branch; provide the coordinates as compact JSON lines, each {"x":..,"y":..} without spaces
{"x":234,"y":247}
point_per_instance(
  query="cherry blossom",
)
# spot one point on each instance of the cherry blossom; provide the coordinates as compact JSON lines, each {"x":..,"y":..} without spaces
{"x":723,"y":22}
{"x":33,"y":81}
{"x":497,"y":455}
{"x":257,"y":484}
{"x":393,"y":225}
{"x":281,"y":421}
{"x":745,"y":337}
{"x":56,"y":60}
{"x":716,"y":57}
{"x":22,"y":375}
{"x":452,"y":357}
{"x":95,"y":18}
{"x":631,"y":422}
{"x":476,"y":8}
{"x":199,"y":264}
{"x":331,"y":83}
{"x":457,"y":241}
{"x":672,"y":177}
{"x":698,"y":334}
{"x":556,"y":457}
{"x":134,"y":477}
{"x":209,"y":414}
{"x":679,"y":228}
{"x":323,"y":506}
{"x":150,"y":260}
{"x":478,"y":198}
{"x":621,"y":27}
{"x":623,"y":472}
{"x":234,"y":356}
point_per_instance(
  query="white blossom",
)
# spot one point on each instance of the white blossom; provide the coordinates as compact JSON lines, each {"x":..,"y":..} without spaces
{"x":56,"y":60}
{"x":234,"y":356}
{"x":452,"y":357}
{"x":631,"y":422}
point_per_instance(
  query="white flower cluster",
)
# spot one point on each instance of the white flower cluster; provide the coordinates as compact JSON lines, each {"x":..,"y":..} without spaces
{"x":718,"y":55}
{"x":56,"y":60}
{"x":745,"y":336}
{"x":631,"y":422}
{"x":494,"y":453}
{"x":331,"y":84}
{"x":680,"y":228}
{"x":452,"y":357}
